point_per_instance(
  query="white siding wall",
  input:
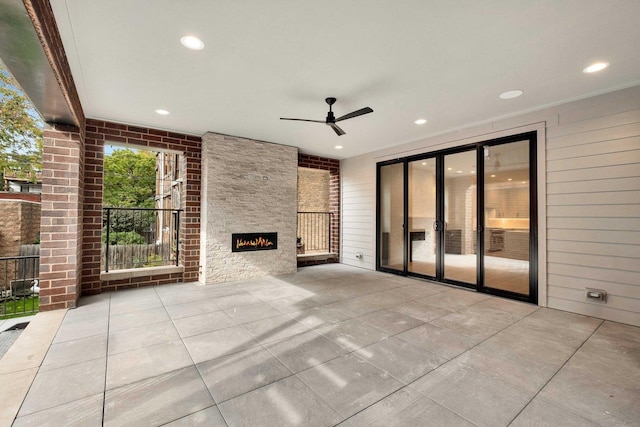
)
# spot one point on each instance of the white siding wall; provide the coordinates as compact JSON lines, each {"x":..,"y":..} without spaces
{"x":590,"y":224}
{"x":358,"y":211}
{"x":593,"y":208}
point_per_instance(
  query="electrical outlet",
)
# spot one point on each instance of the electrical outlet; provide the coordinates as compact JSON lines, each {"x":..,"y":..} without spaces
{"x":598,"y":295}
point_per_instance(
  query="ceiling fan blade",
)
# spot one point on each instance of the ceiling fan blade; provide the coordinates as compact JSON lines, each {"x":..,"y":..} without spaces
{"x":337,"y":129}
{"x":357,"y":113}
{"x":303,"y":120}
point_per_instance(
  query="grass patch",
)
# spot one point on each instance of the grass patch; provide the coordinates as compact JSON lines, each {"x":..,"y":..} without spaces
{"x":19,"y":307}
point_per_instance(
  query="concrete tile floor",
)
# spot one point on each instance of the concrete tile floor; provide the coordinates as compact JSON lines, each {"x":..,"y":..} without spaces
{"x":331,"y":345}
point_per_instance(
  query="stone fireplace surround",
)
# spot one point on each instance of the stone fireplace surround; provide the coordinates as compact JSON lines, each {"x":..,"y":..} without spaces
{"x":247,"y":187}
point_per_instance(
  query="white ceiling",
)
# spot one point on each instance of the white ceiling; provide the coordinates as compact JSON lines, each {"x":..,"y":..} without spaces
{"x":446,"y":61}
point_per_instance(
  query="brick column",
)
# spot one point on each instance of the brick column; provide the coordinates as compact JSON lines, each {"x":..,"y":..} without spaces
{"x":61,"y":223}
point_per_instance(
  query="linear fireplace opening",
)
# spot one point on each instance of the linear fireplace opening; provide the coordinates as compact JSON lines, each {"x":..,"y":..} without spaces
{"x":243,"y":242}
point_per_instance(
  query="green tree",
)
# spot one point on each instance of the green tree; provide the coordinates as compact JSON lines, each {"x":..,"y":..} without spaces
{"x":129,"y":179}
{"x":129,"y":182}
{"x":20,"y":131}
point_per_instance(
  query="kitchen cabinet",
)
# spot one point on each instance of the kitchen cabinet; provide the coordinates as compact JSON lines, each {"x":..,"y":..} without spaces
{"x":516,"y":244}
{"x":453,"y":242}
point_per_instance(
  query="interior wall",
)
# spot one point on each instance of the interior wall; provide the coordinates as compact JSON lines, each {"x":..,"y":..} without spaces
{"x":588,"y":195}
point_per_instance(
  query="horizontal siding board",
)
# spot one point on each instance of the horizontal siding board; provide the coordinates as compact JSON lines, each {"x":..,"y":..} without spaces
{"x":355,"y":207}
{"x":356,"y":249}
{"x":594,"y":149}
{"x":355,"y":192}
{"x":357,"y":197}
{"x":359,"y":218}
{"x":359,"y":243}
{"x":590,"y":162}
{"x":603,"y":122}
{"x":599,"y":311}
{"x":615,"y":171}
{"x":594,"y":273}
{"x":359,"y":226}
{"x":588,"y":248}
{"x":625,"y":237}
{"x":601,"y":261}
{"x":605,"y":105}
{"x":580,"y":283}
{"x":358,"y":234}
{"x":594,"y":198}
{"x":586,"y":211}
{"x":594,"y":185}
{"x":609,"y":134}
{"x":595,"y":223}
{"x":613,"y":301}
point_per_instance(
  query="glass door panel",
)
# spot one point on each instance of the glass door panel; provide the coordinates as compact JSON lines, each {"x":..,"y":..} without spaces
{"x":460,"y":219}
{"x":391,"y":217}
{"x":506,"y":217}
{"x":422,"y":217}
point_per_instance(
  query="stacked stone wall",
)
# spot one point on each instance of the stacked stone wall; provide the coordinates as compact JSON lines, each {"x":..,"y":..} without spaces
{"x":248,"y":187}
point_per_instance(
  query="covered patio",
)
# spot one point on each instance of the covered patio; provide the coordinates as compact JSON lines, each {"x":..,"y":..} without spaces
{"x":328,"y":345}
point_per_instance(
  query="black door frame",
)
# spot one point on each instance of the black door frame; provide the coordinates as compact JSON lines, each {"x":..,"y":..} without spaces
{"x":440,"y":211}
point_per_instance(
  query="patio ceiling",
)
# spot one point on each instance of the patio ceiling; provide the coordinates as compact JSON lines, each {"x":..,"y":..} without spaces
{"x":446,"y":62}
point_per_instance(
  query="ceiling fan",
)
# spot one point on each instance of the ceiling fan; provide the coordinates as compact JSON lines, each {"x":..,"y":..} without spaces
{"x":331,"y":120}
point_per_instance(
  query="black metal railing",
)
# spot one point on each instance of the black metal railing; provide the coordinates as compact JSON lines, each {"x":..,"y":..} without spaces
{"x":139,"y":237}
{"x":19,"y":290}
{"x":314,"y":232}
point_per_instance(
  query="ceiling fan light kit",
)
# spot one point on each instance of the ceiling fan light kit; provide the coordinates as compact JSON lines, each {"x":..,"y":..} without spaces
{"x":331,"y":119}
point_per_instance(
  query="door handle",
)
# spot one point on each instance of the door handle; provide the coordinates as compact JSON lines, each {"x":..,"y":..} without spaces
{"x":436,"y":225}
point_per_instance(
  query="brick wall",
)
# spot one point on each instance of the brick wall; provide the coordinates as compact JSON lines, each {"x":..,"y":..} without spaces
{"x":19,"y":225}
{"x":61,"y":221}
{"x":249,"y":187}
{"x":97,"y":134}
{"x":333,"y":166}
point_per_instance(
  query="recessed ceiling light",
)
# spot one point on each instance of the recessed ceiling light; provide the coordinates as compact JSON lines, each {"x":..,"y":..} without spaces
{"x":424,"y":163}
{"x":594,"y":68}
{"x":458,"y":171}
{"x":473,"y":172}
{"x":338,"y":147}
{"x":511,"y":94}
{"x":449,"y":169}
{"x":509,"y":179}
{"x":192,"y":42}
{"x":493,"y":176}
{"x":420,"y":121}
{"x":162,"y":112}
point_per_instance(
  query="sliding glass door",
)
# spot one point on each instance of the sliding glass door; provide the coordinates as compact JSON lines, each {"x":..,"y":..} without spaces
{"x":464,"y":216}
{"x":423,"y":236}
{"x":391,"y":243}
{"x":507,"y":217}
{"x":460,"y":224}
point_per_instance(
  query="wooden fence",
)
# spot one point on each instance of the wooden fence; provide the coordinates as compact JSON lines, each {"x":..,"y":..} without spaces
{"x":137,"y":256}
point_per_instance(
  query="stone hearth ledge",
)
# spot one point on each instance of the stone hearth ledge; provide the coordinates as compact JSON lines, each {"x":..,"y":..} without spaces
{"x":140,"y":272}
